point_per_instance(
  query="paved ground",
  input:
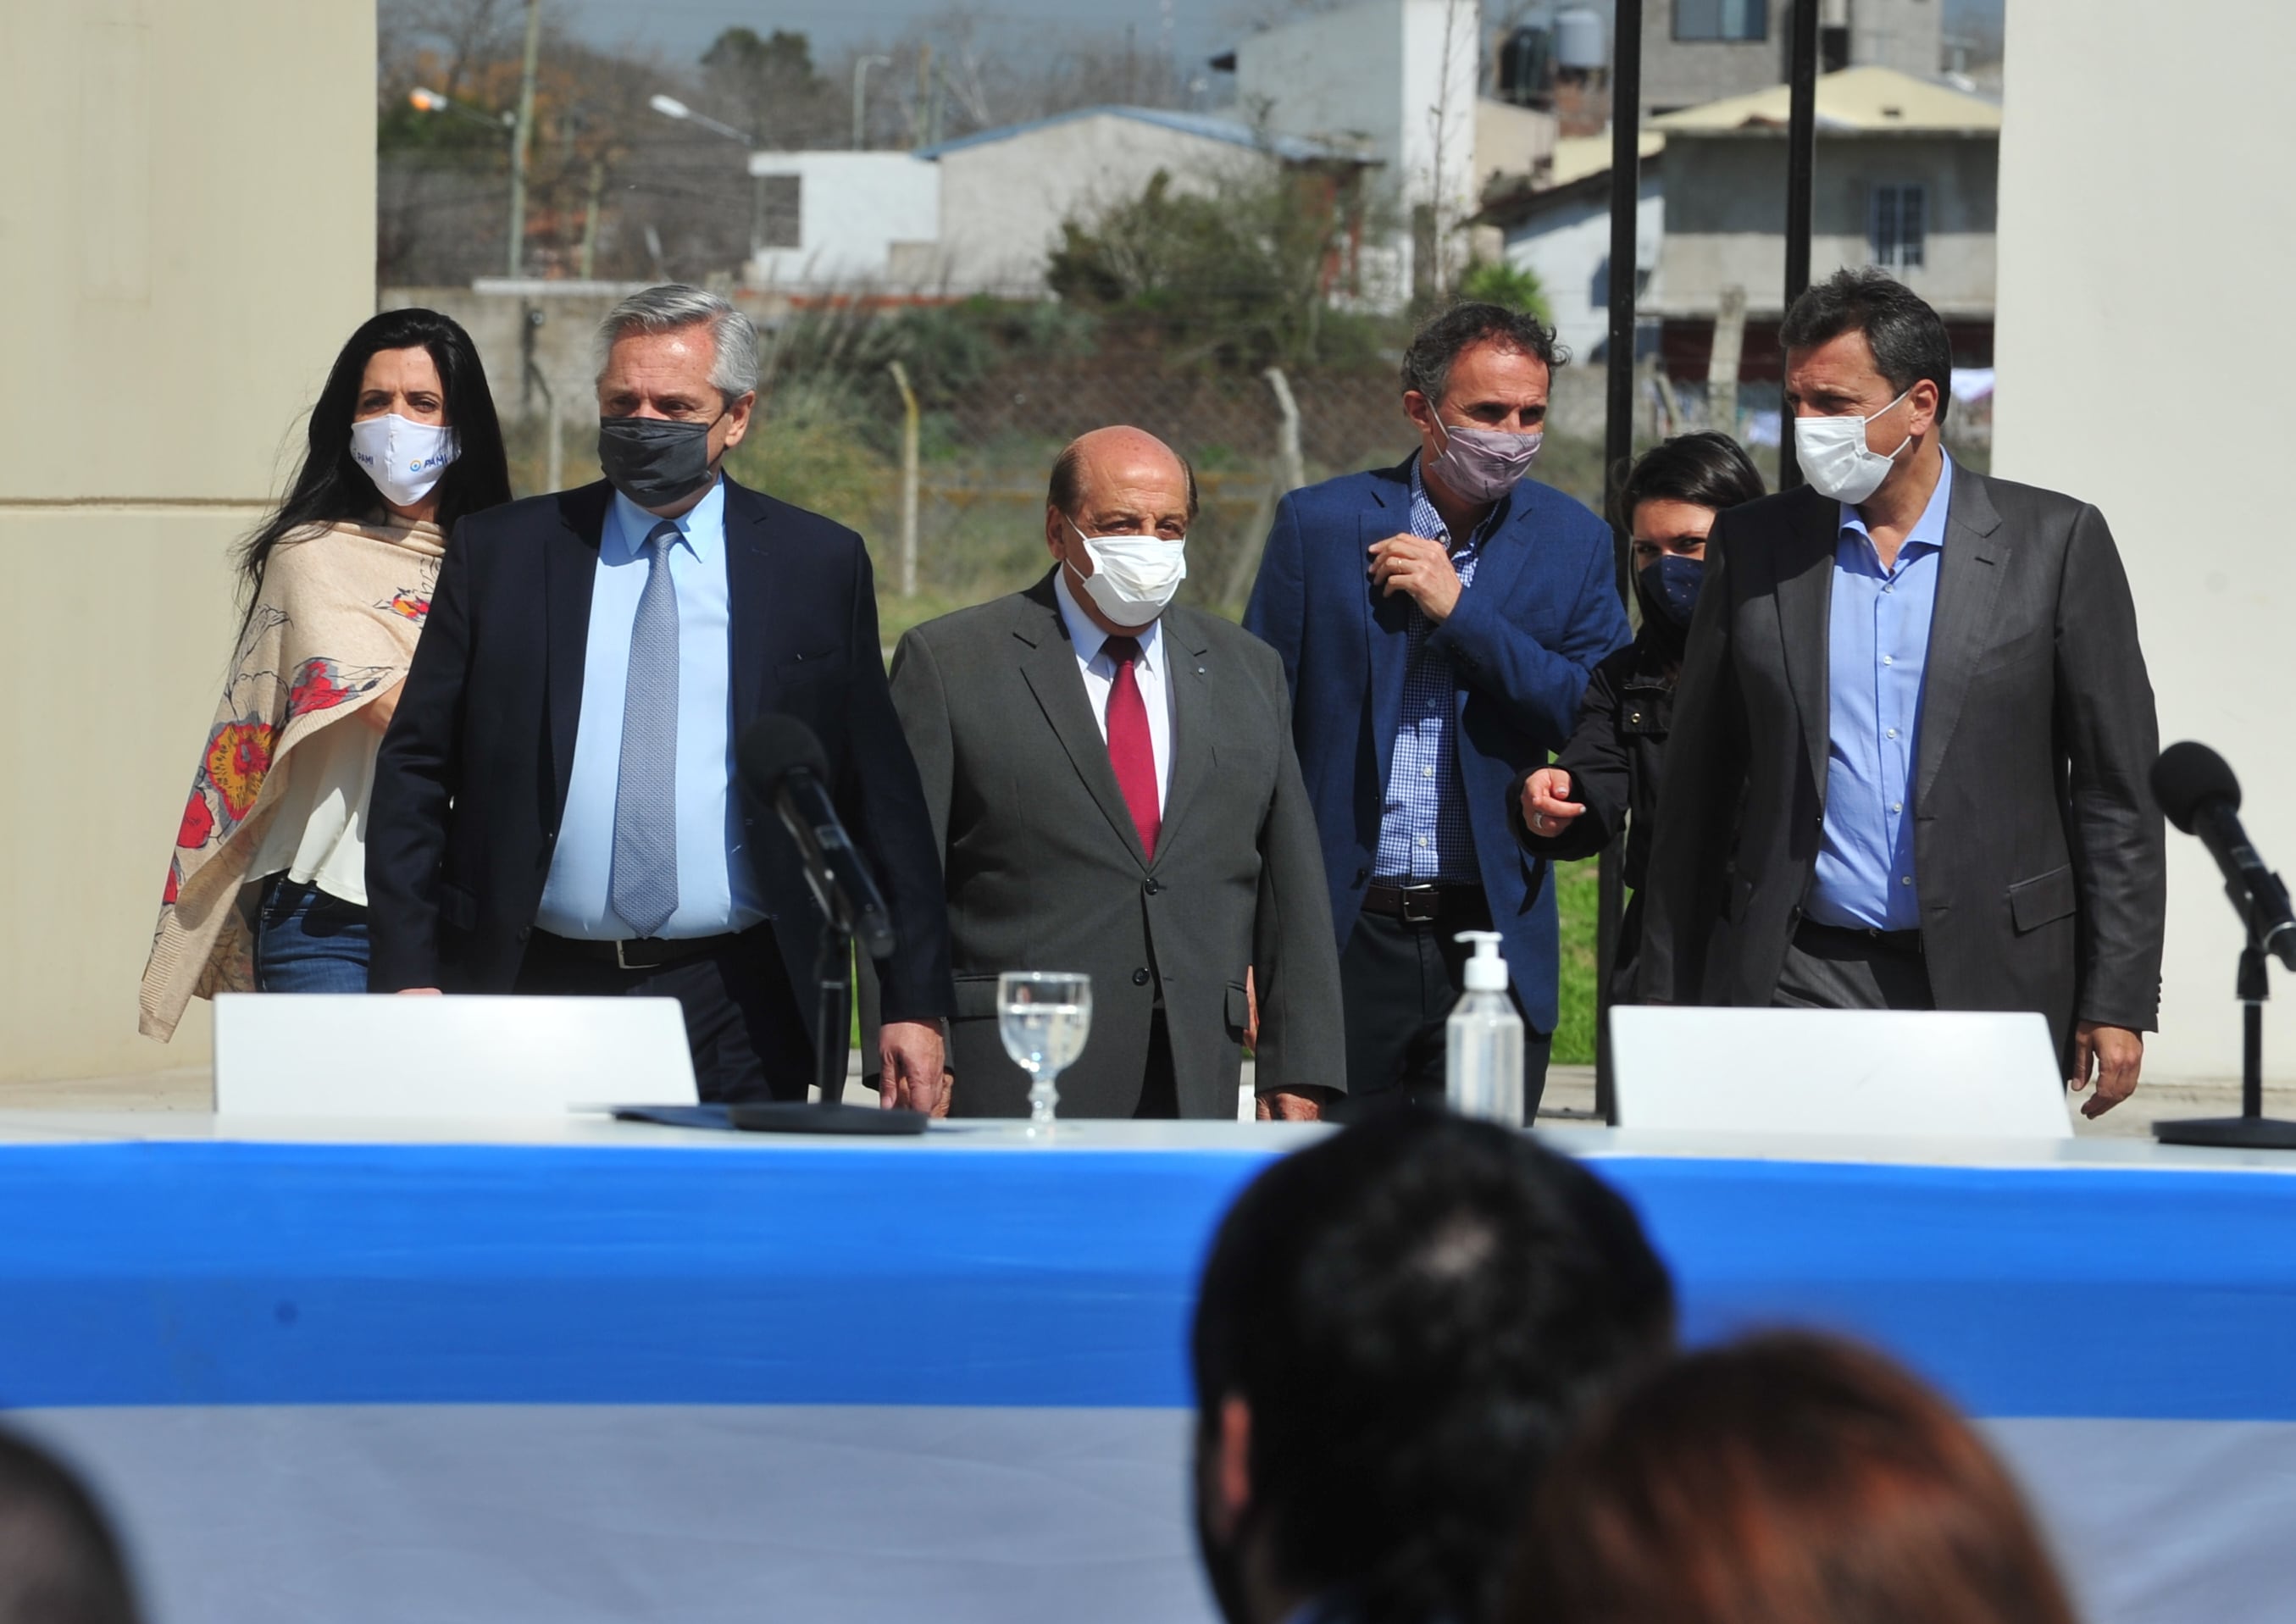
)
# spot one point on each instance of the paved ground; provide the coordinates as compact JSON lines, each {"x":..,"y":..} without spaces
{"x":1569,"y":1095}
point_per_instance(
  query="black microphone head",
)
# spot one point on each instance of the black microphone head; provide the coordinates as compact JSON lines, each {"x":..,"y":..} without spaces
{"x":773,"y":747}
{"x":2189,"y":775}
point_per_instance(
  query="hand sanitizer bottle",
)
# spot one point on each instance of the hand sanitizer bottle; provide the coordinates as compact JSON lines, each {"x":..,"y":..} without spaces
{"x":1483,"y":1075}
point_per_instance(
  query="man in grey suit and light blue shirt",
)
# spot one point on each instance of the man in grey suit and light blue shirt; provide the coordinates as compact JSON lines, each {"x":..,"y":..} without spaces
{"x":1914,"y":728}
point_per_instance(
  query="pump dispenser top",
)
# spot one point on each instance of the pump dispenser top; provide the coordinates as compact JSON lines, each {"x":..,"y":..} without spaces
{"x":1487,"y":971}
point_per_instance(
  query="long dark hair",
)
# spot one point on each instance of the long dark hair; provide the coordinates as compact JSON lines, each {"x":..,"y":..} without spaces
{"x":1708,"y":469}
{"x":329,"y":487}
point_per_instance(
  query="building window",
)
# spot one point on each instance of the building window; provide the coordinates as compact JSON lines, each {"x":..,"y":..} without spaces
{"x":1730,"y":20}
{"x":778,"y":197}
{"x":1899,"y":229}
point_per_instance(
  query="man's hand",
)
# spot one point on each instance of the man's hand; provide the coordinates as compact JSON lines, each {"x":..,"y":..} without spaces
{"x":419,"y":992}
{"x":912,"y":1072}
{"x":1250,"y":1010}
{"x":2114,"y":1054}
{"x":1290,"y":1105}
{"x":1544,"y":811}
{"x":1420,"y":567}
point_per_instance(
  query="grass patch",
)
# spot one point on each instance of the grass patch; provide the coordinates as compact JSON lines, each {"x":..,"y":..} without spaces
{"x":1577,"y":896}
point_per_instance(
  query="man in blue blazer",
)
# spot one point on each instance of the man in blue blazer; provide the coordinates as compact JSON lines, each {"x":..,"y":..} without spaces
{"x":1438,"y":623}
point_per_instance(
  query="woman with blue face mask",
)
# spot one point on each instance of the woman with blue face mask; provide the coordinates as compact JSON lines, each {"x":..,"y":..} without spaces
{"x":1608,"y":777}
{"x":266,"y":888}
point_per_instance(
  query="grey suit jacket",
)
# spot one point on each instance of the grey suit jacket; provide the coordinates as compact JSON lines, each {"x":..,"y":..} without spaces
{"x":2039,"y":852}
{"x":1046,"y":871}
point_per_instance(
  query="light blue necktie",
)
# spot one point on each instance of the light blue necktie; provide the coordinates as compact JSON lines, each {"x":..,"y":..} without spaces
{"x":644,"y":887}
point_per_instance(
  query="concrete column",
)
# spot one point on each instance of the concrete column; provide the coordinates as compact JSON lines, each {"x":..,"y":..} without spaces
{"x":187,"y":237}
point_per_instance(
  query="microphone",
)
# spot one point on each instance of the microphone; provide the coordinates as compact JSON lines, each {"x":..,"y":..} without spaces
{"x":781,"y":761}
{"x":2195,"y":787}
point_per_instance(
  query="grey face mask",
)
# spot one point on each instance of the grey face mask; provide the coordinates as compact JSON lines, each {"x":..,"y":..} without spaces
{"x":654,"y":460}
{"x":1483,"y":464}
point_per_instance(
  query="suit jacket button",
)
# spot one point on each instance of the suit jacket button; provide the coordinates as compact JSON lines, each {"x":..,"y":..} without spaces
{"x":524,"y":932}
{"x":1154,"y":887}
{"x":1140,"y":978}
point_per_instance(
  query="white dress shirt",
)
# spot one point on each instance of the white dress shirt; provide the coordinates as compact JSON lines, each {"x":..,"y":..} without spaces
{"x":1100,"y":675}
{"x":717,"y":891}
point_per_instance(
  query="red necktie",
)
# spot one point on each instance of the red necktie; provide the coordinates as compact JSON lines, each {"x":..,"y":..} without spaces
{"x":1130,"y":751}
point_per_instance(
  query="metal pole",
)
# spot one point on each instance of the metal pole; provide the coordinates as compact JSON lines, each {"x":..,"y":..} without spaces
{"x":909,"y":477}
{"x":1618,"y":449}
{"x":1801,"y":170}
{"x":522,"y":134}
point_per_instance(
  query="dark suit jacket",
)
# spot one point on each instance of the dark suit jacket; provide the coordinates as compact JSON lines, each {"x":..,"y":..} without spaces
{"x":1543,"y":611}
{"x":2037,"y":850}
{"x":470,"y":781}
{"x":1045,"y":869}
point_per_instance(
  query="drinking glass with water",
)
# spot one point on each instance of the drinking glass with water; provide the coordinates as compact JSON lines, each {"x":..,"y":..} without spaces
{"x":1044,"y":1017}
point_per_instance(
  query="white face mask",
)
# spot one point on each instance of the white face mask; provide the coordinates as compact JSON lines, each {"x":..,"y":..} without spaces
{"x":1133,"y":576}
{"x":406,"y":460}
{"x":1835,"y":458}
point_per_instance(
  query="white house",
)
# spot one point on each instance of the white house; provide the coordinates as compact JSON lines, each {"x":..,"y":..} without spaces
{"x":841,"y":219}
{"x":1397,"y":79}
{"x":981,"y":213}
{"x":1562,"y":234}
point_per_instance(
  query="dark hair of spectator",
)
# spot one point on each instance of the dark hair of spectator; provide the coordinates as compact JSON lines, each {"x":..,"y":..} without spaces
{"x":59,"y":1562}
{"x":1438,"y":346}
{"x":1786,"y":1480}
{"x":330,"y":488}
{"x":1414,"y":1311}
{"x":1708,"y":469}
{"x":1908,"y":338}
{"x":1066,"y":487}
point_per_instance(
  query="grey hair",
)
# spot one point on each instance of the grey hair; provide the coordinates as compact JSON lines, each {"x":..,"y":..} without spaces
{"x":732,"y":336}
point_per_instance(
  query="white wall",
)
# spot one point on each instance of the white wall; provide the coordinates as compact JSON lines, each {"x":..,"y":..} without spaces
{"x":2172,"y":429}
{"x":1397,"y":75}
{"x":1568,"y":247}
{"x":1003,"y":201}
{"x":185,"y":239}
{"x":852,"y":209}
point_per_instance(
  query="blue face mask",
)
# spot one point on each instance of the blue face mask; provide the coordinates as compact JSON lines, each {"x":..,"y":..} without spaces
{"x":1672,"y":584}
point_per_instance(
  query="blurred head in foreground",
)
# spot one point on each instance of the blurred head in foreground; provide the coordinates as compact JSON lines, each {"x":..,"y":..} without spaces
{"x":58,"y":1563}
{"x":1397,"y":1327}
{"x":1786,"y":1480}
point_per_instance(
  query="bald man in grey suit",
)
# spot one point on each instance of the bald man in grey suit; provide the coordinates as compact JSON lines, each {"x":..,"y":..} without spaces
{"x":1113,"y":788}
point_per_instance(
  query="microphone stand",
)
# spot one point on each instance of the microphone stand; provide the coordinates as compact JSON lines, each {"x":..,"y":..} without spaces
{"x":2252,"y":1129}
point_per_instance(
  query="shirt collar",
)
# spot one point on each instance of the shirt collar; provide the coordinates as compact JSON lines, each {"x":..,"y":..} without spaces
{"x":702,"y":526}
{"x":1929,"y":530}
{"x":1491,"y":520}
{"x":1085,"y":632}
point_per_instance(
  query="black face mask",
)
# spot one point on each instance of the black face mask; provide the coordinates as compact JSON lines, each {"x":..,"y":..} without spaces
{"x":655,"y":461}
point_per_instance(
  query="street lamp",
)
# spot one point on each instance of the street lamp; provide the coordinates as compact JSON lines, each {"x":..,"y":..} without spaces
{"x":424,"y":100}
{"x":670,"y":107}
{"x":860,"y":83}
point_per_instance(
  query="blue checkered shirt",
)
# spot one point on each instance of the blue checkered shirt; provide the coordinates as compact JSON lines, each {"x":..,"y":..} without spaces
{"x":1425,"y":837}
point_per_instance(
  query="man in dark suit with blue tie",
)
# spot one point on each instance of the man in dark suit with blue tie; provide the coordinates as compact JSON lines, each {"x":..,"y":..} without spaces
{"x":555,"y":807}
{"x":1438,"y":621}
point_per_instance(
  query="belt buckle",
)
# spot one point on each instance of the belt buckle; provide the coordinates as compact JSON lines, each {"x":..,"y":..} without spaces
{"x":1411,"y":897}
{"x":622,"y":963}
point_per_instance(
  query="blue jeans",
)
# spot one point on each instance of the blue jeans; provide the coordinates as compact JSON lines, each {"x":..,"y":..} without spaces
{"x":308,"y":942}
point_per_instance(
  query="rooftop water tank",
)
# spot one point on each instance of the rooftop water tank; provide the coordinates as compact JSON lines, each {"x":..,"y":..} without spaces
{"x":1579,"y":41}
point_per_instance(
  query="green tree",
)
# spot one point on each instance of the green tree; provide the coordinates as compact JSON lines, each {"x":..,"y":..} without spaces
{"x":1498,"y":282}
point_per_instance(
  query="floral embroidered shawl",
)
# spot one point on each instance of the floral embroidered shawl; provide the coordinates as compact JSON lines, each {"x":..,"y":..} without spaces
{"x":333,"y":626}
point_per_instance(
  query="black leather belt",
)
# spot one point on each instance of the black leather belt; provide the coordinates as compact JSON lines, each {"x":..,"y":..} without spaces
{"x":651,"y":953}
{"x":1818,"y":938}
{"x":1429,"y":904}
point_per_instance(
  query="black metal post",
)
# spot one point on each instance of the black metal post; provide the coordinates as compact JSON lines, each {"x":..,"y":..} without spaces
{"x":1618,"y":450}
{"x":1801,"y":169}
{"x":832,"y":970}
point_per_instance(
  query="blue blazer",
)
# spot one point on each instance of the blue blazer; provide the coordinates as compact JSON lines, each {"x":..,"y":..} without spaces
{"x":1543,"y":611}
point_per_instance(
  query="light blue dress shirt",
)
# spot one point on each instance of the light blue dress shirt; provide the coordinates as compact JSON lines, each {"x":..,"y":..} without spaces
{"x":1424,"y":835}
{"x":1879,"y":652}
{"x":717,"y":891}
